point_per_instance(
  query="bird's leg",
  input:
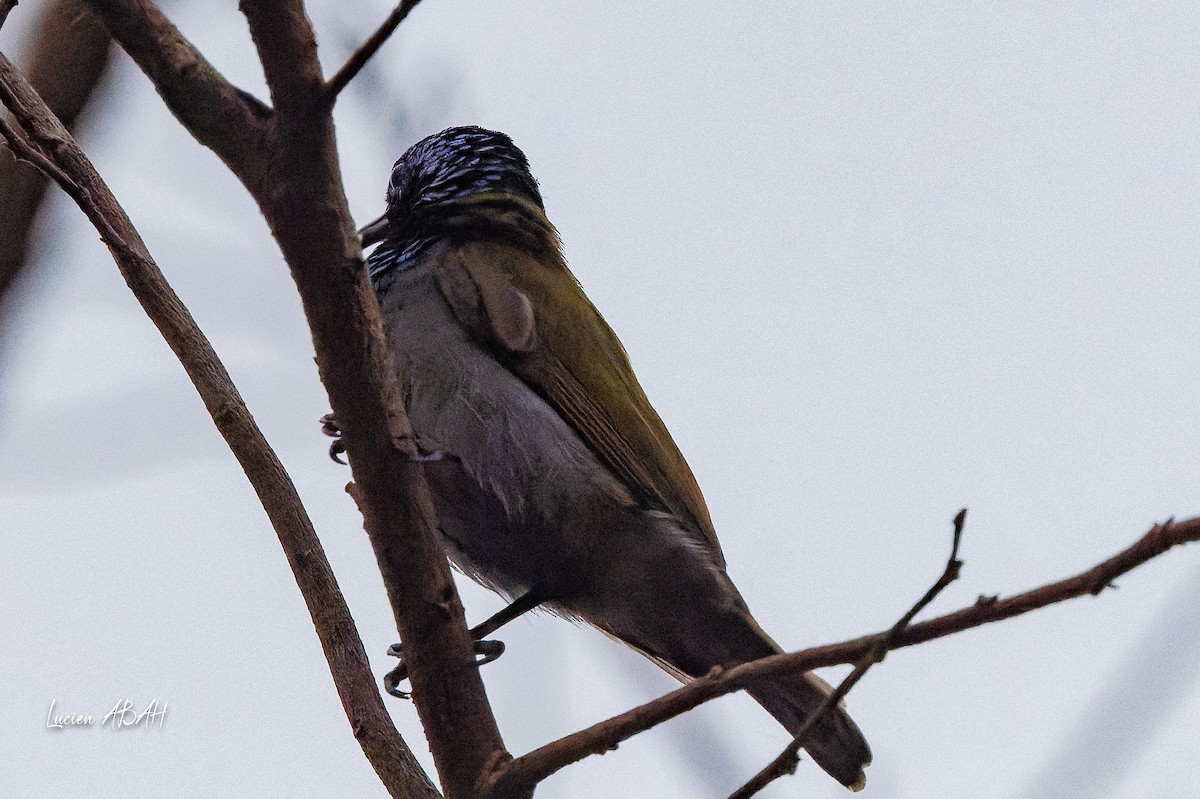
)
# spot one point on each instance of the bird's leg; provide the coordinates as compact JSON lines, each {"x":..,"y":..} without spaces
{"x":329,"y":427}
{"x":490,"y":650}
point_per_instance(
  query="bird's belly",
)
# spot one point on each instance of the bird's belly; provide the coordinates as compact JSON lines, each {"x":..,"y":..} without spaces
{"x":521,"y":500}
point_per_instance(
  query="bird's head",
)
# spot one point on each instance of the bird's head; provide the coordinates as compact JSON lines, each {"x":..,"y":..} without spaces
{"x":461,"y":183}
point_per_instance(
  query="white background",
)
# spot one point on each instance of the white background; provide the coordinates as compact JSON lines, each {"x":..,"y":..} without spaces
{"x":871,"y":267}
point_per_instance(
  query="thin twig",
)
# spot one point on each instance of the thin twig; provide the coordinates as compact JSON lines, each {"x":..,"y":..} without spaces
{"x":359,"y":58}
{"x":788,"y":759}
{"x":532,"y":768}
{"x":50,"y":148}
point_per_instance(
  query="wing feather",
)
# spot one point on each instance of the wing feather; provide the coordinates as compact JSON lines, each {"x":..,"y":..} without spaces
{"x":572,"y":359}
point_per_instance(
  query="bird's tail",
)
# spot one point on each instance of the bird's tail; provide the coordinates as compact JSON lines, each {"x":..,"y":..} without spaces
{"x":689,"y":620}
{"x":835,"y":743}
{"x":694,"y":642}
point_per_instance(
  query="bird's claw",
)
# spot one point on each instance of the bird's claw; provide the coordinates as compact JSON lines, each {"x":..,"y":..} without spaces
{"x":329,"y":427}
{"x":487,"y":650}
{"x":392,"y":680}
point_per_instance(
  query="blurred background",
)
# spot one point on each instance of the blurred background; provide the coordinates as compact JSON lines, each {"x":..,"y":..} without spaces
{"x":870,"y":266}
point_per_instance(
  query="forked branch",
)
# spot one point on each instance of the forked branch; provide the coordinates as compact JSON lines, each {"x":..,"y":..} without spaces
{"x":288,"y":161}
{"x":532,"y":768}
{"x":45,"y":144}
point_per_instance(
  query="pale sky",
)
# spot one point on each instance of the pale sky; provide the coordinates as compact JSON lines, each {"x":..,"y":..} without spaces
{"x":870,"y":266}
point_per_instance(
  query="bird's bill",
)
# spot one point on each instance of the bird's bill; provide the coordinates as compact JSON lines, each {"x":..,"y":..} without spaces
{"x":375,"y":231}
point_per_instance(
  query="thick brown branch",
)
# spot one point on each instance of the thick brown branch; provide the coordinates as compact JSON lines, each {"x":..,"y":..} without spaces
{"x":287,"y":49}
{"x":362,"y":55}
{"x":51,"y":148}
{"x":308,"y":214}
{"x":288,"y":161}
{"x":535,"y":766}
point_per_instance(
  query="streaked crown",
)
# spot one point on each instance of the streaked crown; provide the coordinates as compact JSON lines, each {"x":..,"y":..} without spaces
{"x":458,"y":163}
{"x":430,"y":184}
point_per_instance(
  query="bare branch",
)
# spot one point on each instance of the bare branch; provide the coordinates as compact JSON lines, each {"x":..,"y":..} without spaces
{"x":222,"y":117}
{"x":50,"y":148}
{"x":287,"y":159}
{"x":362,"y":55}
{"x":24,"y":151}
{"x":305,"y":206}
{"x":535,"y":766}
{"x":788,"y":759}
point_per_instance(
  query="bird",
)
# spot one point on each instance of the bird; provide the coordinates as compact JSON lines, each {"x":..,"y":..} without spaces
{"x":554,"y":481}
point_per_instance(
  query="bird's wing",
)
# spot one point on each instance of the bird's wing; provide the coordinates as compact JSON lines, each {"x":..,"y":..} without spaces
{"x":572,"y":359}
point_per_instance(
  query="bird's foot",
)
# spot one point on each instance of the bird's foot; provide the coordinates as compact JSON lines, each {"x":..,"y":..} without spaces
{"x":488,"y":651}
{"x":329,"y":427}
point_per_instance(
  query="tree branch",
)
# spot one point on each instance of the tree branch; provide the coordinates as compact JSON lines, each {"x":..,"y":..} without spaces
{"x":363,"y":54}
{"x":308,"y":214}
{"x":50,"y":148}
{"x":532,"y":768}
{"x":288,"y":162}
